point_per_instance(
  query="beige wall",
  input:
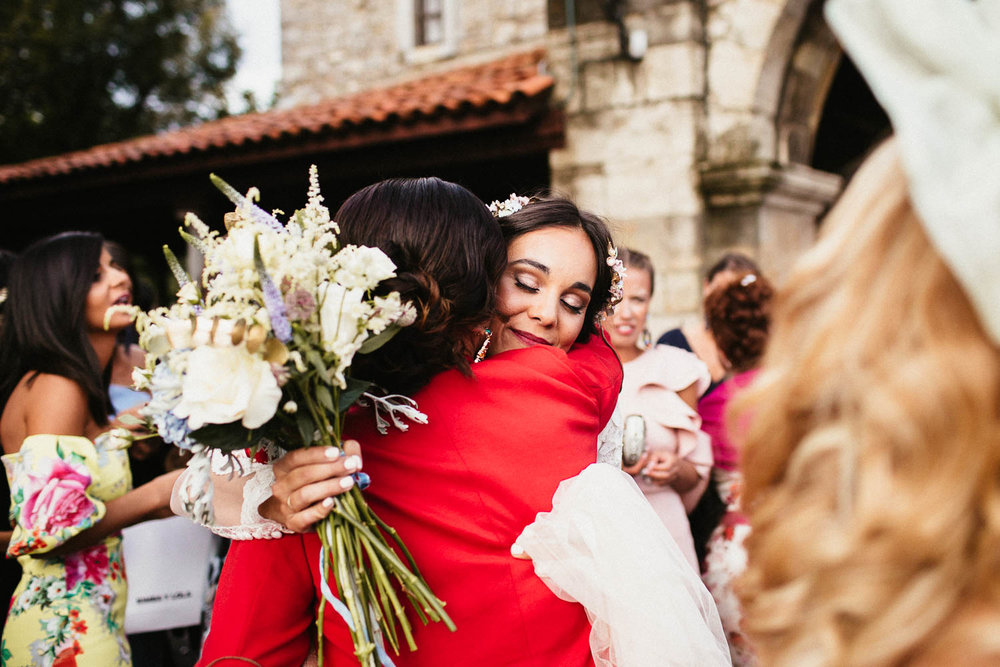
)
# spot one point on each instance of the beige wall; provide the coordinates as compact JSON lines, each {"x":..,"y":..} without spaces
{"x":337,"y":47}
{"x":643,"y":138}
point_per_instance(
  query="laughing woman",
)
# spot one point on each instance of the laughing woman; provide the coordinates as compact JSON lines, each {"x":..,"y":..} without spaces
{"x":70,"y":490}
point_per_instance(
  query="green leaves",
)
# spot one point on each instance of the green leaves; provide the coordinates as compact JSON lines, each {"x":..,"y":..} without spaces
{"x":353,"y":392}
{"x":378,"y":340}
{"x":225,"y":437}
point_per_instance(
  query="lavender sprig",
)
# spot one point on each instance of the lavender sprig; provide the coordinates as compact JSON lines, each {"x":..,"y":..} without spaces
{"x":258,"y":214}
{"x":273,"y":301}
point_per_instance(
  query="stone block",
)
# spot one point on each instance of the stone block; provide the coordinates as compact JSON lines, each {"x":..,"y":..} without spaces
{"x":668,"y":23}
{"x":733,"y":71}
{"x":739,"y":136}
{"x":674,"y":71}
{"x":749,"y":23}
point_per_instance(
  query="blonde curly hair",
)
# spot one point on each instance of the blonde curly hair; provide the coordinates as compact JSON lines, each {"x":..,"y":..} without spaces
{"x":872,"y":458}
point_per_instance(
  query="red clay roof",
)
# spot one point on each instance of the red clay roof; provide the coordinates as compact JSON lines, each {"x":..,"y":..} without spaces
{"x":509,"y":90}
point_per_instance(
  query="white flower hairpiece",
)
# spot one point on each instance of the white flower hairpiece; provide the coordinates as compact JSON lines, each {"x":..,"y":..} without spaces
{"x":617,"y":288}
{"x":748,"y":279}
{"x":3,"y":294}
{"x":513,"y":204}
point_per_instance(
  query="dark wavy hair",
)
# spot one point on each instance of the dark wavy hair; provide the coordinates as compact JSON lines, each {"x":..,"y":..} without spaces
{"x":543,"y":212}
{"x":449,"y":254}
{"x":44,"y":328}
{"x":739,"y":316}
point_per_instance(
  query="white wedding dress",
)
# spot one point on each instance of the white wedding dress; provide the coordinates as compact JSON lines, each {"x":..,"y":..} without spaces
{"x":603,"y":545}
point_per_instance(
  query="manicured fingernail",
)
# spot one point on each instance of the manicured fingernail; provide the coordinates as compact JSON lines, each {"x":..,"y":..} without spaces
{"x":346,"y":482}
{"x":352,"y":462}
{"x":332,"y":453}
{"x":516,"y":550}
{"x":328,"y":502}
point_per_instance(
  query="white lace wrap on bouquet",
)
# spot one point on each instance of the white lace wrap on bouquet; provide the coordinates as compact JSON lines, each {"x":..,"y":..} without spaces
{"x":603,"y":546}
{"x":248,"y":484}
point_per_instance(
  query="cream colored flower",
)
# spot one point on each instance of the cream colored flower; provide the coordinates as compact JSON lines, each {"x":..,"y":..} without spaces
{"x":362,"y":267}
{"x":341,"y":315}
{"x":226,"y":384}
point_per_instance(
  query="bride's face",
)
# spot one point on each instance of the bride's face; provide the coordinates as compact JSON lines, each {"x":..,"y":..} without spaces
{"x":545,"y":289}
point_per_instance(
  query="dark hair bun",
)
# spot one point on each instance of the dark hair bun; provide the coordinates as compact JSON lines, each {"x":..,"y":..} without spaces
{"x":739,"y":315}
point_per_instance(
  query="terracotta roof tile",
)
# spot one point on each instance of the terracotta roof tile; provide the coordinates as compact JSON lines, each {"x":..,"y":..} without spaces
{"x":500,"y":85}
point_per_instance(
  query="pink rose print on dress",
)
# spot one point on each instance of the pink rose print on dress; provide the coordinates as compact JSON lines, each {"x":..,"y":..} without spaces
{"x":91,"y":564}
{"x":59,"y":500}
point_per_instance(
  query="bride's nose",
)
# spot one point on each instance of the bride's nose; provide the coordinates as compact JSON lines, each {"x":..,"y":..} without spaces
{"x":544,"y":311}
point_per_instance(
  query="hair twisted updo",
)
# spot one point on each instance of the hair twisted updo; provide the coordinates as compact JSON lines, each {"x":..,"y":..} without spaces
{"x":449,"y":254}
{"x":738,"y":315}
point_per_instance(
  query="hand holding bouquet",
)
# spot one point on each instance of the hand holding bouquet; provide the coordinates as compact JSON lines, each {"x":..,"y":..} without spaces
{"x":257,"y":355}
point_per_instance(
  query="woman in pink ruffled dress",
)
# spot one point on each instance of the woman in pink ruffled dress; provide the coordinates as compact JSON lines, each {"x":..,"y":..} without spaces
{"x":738,"y":316}
{"x":661,"y":385}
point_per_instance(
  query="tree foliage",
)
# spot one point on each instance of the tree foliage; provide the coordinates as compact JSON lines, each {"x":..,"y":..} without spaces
{"x":76,"y":73}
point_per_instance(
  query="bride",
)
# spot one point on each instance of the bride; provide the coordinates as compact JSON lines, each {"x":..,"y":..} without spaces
{"x":461,"y":489}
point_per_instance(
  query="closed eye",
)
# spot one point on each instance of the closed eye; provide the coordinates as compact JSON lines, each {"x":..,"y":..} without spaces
{"x":524,"y":286}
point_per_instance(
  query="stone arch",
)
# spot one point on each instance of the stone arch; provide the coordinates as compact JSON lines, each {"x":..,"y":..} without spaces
{"x":770,"y":206}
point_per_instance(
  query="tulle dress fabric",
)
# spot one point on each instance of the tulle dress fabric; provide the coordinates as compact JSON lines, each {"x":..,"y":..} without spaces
{"x":602,"y":545}
{"x":650,"y":388}
{"x":70,"y":609}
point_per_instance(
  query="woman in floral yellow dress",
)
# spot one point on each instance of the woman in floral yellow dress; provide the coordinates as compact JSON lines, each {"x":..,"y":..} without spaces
{"x":70,"y":491}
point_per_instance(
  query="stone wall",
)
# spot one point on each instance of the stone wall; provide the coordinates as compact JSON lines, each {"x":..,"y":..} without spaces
{"x":337,"y":47}
{"x":633,"y":141}
{"x":679,"y":149}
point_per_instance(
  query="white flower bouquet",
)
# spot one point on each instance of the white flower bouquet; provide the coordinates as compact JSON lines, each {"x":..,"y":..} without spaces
{"x":256,"y":355}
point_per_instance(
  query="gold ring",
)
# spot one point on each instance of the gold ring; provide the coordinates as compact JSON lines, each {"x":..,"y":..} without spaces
{"x":288,"y":501}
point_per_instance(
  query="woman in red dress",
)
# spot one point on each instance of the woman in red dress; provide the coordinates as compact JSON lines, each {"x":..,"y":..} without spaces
{"x":499,"y":440}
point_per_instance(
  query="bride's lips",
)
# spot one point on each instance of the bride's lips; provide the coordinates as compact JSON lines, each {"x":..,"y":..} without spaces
{"x":529,"y":339}
{"x":124,"y":300}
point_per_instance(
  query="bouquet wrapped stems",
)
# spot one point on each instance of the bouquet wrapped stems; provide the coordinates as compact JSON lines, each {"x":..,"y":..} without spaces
{"x":364,"y":567}
{"x":257,"y":353}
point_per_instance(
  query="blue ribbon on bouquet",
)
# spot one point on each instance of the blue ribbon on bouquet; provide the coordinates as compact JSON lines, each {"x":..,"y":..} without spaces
{"x":345,"y":613}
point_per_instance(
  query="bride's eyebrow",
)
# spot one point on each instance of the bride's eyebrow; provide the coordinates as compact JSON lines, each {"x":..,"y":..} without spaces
{"x":532,"y":263}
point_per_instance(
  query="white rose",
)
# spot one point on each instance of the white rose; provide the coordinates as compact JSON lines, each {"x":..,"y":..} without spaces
{"x":225,"y":384}
{"x":341,"y":315}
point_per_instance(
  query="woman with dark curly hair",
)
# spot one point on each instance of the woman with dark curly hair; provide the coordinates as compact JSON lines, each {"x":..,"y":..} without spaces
{"x":738,"y":316}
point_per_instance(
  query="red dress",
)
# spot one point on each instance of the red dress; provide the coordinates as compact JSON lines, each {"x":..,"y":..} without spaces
{"x":459,"y":490}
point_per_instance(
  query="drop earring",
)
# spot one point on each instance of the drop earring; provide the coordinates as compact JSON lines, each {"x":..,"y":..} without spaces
{"x":647,"y":338}
{"x":481,"y":354}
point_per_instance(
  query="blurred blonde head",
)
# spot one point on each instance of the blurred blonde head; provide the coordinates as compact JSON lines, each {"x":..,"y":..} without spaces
{"x":872,"y":459}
